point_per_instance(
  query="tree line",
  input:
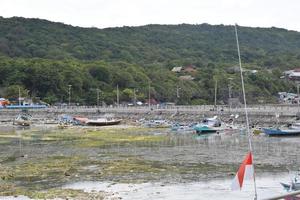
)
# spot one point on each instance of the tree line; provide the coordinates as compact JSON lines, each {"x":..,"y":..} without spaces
{"x":43,"y":58}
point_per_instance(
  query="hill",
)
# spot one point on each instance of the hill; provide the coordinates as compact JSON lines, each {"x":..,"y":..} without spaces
{"x":44,"y":57}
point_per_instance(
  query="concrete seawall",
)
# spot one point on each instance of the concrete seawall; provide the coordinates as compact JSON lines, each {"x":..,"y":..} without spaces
{"x":259,"y":114}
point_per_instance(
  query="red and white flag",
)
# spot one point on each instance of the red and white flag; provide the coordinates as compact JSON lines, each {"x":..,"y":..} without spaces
{"x":245,"y":173}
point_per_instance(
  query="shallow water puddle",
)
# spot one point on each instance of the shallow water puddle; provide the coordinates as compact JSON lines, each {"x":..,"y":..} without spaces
{"x":267,"y":186}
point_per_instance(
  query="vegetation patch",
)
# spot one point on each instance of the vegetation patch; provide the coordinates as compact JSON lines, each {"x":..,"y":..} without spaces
{"x":119,"y":137}
{"x":55,"y":193}
{"x":40,"y":174}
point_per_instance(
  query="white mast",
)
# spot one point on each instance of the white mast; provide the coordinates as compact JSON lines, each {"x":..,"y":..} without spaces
{"x":245,"y":106}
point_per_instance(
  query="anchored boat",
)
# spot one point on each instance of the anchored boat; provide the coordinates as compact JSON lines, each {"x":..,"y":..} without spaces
{"x":290,"y":130}
{"x":293,"y":185}
{"x":23,"y":119}
{"x":208,"y":125}
{"x":103,"y":122}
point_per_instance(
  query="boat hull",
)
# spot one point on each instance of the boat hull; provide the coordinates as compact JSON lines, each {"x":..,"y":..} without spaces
{"x":22,"y":123}
{"x":107,"y":123}
{"x":292,"y":186}
{"x":205,"y":130}
{"x":281,"y":132}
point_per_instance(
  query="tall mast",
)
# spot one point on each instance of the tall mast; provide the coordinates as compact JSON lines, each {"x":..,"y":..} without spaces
{"x":245,"y":107}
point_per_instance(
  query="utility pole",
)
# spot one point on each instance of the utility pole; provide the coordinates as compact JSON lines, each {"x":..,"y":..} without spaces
{"x":134,"y":97}
{"x":19,"y":96}
{"x":229,"y":94}
{"x":118,"y":100}
{"x":298,"y":94}
{"x":177,"y":93}
{"x":149,"y":95}
{"x":98,"y":97}
{"x":216,"y":86}
{"x":69,"y":91}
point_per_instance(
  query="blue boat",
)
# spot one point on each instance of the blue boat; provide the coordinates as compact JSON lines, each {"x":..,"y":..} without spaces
{"x":281,"y":132}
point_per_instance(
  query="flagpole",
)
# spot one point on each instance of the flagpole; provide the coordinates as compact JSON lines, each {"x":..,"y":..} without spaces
{"x":245,"y":106}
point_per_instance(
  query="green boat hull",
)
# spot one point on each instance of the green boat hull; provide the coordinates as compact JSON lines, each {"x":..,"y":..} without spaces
{"x":204,"y":129}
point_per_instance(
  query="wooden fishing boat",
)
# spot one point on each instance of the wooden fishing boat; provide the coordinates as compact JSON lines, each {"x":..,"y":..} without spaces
{"x":103,"y":122}
{"x":22,"y":119}
{"x":281,"y":132}
{"x":208,"y":125}
{"x":290,"y":130}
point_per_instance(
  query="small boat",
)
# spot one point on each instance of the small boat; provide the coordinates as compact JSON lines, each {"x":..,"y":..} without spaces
{"x":80,"y":120}
{"x":208,"y":125}
{"x":290,"y":130}
{"x":103,"y":122}
{"x":182,"y":128}
{"x":22,"y":119}
{"x":294,"y":185}
{"x":281,"y":132}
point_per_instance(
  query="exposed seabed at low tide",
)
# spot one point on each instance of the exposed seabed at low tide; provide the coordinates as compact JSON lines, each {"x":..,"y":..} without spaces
{"x":140,"y":163}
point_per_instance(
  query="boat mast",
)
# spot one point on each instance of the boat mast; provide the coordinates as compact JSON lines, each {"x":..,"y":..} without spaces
{"x":245,"y":107}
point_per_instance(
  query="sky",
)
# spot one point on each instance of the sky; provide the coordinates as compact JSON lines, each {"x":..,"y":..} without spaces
{"x":113,"y":13}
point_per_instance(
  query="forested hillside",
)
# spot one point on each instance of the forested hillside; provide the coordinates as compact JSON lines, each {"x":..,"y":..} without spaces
{"x":43,"y":58}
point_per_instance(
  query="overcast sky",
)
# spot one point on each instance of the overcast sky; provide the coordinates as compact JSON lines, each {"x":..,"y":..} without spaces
{"x":111,"y":13}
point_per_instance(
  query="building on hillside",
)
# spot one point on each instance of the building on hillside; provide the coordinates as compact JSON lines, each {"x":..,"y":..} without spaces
{"x":190,"y":69}
{"x":293,"y":74}
{"x":185,"y":69}
{"x":177,"y":69}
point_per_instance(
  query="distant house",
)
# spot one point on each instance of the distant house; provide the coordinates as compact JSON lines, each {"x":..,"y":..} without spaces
{"x":177,"y":69}
{"x":186,"y":78}
{"x":190,"y":69}
{"x":185,"y":69}
{"x":293,"y":75}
